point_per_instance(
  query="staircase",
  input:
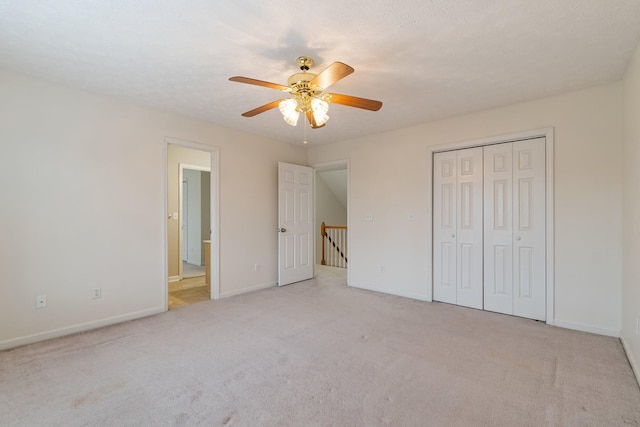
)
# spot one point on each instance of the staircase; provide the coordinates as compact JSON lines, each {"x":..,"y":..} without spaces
{"x":334,"y":245}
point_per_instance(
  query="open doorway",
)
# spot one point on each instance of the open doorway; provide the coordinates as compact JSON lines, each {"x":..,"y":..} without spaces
{"x":332,"y":211}
{"x":192,"y":246}
{"x":195,"y":219}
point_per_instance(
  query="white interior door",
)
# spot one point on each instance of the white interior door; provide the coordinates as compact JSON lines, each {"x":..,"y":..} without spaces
{"x":498,"y":228}
{"x":489,"y":228}
{"x":295,"y":217}
{"x":469,"y":236}
{"x":185,"y":220}
{"x":444,"y":227}
{"x":529,"y":225}
{"x":514,"y":238}
{"x":458,"y":226}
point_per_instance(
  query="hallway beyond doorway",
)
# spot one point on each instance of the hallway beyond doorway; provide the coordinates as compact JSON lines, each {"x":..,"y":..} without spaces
{"x":190,"y":270}
{"x":188,"y":291}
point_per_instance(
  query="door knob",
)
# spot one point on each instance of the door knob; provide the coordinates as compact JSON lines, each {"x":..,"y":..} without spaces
{"x":518,"y":237}
{"x":282,"y":230}
{"x":453,"y":236}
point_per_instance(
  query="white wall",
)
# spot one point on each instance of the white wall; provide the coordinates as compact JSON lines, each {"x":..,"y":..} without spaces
{"x":90,"y":212}
{"x":631,"y":213}
{"x":328,"y":210}
{"x":389,"y":176}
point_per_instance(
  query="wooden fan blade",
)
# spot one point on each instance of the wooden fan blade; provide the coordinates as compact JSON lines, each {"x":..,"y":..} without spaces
{"x":262,"y":109}
{"x":270,"y":85}
{"x":312,"y":120}
{"x":353,"y":101}
{"x":332,"y":74}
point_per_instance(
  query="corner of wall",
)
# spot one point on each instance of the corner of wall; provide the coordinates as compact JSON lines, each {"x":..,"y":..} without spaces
{"x":631,"y":357}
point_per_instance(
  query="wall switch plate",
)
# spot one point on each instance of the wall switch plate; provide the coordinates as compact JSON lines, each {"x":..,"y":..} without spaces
{"x":256,"y":267}
{"x":96,"y":293}
{"x":637,"y":325}
{"x":41,"y":301}
{"x":412,"y":216}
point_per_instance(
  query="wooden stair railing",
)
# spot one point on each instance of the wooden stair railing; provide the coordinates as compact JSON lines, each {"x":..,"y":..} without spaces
{"x":335,"y":244}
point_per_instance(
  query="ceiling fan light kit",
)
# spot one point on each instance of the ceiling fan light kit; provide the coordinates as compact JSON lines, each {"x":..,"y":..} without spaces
{"x":290,"y":111}
{"x":320,"y":109}
{"x":306,"y":90}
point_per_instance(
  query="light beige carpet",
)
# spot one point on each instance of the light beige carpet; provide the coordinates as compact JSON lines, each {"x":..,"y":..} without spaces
{"x":320,"y":354}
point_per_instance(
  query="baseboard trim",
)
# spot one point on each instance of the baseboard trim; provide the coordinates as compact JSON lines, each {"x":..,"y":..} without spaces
{"x":56,"y":333}
{"x":419,"y":297}
{"x":249,"y":289}
{"x":586,"y":328}
{"x":630,"y":357}
{"x":174,"y":279}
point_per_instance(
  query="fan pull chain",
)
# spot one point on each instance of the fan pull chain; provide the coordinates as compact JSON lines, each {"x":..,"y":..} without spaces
{"x":305,"y":132}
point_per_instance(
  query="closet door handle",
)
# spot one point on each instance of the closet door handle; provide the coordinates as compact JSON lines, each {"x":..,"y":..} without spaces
{"x":453,"y":236}
{"x":518,"y":238}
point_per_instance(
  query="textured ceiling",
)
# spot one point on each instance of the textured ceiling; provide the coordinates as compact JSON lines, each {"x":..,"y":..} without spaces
{"x":426,"y":60}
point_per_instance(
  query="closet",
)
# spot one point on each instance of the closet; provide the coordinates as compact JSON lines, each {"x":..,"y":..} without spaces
{"x":489,"y":228}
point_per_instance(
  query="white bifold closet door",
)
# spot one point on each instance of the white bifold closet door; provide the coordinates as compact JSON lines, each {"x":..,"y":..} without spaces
{"x":514,"y":228}
{"x":458,"y":226}
{"x":489,"y":228}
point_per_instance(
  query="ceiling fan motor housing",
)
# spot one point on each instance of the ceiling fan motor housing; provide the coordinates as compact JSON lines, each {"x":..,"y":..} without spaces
{"x":303,"y":90}
{"x":300,"y":79}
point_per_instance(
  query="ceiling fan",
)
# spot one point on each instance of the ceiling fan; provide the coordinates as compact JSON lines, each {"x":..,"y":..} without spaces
{"x":307,"y":94}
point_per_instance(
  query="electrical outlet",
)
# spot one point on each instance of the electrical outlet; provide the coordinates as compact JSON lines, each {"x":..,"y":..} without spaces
{"x":368,"y":217}
{"x":41,"y":301}
{"x":96,"y":293}
{"x":382,"y":269}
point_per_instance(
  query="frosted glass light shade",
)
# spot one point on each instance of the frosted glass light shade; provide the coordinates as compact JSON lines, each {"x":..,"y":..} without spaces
{"x":320,"y":108}
{"x":289,"y":110}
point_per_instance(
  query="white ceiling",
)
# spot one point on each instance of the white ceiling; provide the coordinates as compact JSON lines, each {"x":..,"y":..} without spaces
{"x":426,"y":60}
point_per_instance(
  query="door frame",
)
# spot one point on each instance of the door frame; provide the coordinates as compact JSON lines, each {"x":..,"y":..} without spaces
{"x":214,"y":260}
{"x":328,"y":166}
{"x":548,"y":134}
{"x":182,"y":167}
